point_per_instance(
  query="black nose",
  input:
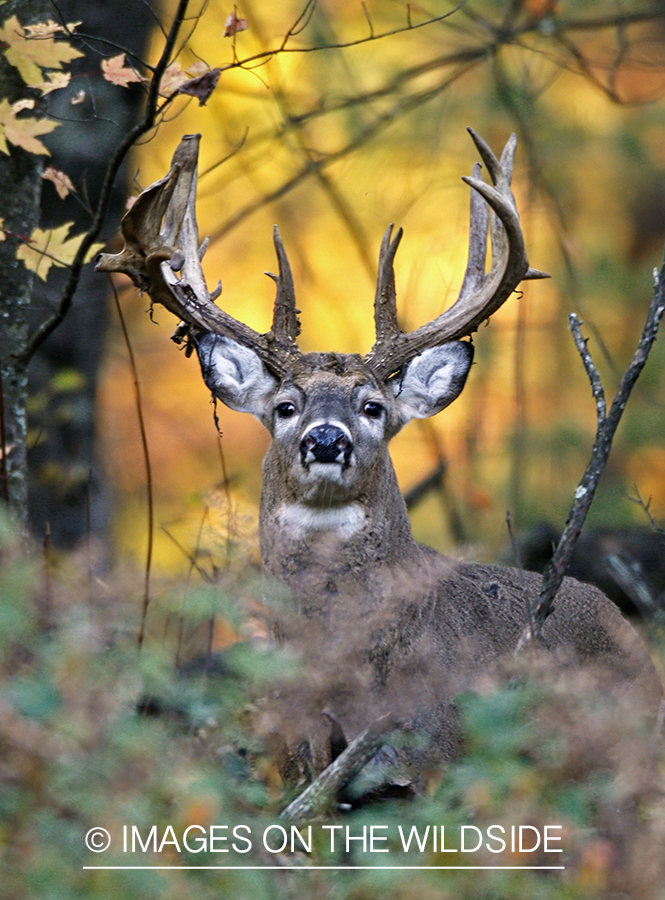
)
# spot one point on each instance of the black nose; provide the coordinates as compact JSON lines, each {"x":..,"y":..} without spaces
{"x":325,"y":443}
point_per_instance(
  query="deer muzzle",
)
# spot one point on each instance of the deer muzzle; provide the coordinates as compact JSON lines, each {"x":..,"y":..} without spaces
{"x":325,"y":444}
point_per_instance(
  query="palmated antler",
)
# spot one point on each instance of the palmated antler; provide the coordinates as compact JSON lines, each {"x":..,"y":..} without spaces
{"x":161,"y":239}
{"x":481,"y":293}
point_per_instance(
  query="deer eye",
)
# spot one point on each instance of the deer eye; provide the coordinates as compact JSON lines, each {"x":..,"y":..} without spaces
{"x":285,"y":410}
{"x":372,"y":409}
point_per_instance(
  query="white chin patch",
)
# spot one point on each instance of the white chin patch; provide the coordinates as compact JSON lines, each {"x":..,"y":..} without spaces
{"x":318,"y":471}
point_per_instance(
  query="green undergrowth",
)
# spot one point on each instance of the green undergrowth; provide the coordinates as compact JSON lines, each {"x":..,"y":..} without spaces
{"x":95,"y":734}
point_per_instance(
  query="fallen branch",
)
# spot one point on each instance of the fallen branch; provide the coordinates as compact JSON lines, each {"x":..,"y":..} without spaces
{"x":322,"y":793}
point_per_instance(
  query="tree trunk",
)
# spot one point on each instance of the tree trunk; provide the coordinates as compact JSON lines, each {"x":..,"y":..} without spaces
{"x":67,"y":492}
{"x":20,"y":191}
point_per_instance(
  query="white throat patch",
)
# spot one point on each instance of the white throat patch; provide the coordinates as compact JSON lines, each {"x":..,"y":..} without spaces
{"x":300,"y":519}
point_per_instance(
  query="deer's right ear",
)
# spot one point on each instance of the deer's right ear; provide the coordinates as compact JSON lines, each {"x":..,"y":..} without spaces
{"x":235,"y":374}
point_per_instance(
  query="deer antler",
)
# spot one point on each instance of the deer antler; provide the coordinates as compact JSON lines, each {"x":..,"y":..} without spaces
{"x":161,"y":239}
{"x":481,"y":293}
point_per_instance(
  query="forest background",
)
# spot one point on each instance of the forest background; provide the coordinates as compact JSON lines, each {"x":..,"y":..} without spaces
{"x":331,"y":120}
{"x":332,"y":145}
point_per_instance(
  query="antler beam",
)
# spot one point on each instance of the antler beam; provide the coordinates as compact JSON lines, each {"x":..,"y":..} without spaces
{"x":161,"y":239}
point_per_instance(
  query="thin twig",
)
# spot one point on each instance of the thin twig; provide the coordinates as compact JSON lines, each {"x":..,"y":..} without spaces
{"x":148,"y":470}
{"x":645,"y":506}
{"x":190,"y":557}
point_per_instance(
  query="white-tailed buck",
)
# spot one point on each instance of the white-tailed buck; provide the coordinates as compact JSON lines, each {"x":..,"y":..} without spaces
{"x":388,"y":627}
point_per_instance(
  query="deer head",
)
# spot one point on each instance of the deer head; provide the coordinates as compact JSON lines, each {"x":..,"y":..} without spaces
{"x":330,"y":416}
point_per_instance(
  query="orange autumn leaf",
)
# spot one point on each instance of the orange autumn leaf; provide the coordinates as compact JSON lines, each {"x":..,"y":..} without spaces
{"x":234,"y":25}
{"x":117,"y":72}
{"x":52,"y":247}
{"x":32,"y":50}
{"x":62,"y":182}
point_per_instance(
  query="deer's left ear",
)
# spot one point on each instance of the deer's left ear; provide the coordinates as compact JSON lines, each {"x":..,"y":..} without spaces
{"x":432,"y":380}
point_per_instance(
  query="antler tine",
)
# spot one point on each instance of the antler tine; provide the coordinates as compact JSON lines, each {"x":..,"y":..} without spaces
{"x":161,"y":238}
{"x":285,"y":321}
{"x":478,"y":223}
{"x":385,"y":299}
{"x":481,"y":293}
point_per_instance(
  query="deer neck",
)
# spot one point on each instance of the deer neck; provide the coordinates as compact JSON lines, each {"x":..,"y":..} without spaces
{"x":325,"y":553}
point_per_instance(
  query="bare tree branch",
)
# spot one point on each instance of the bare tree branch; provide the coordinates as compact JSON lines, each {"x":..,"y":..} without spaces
{"x":322,"y":792}
{"x":606,"y":427}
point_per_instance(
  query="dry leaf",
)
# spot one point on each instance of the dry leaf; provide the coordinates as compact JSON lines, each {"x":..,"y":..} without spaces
{"x":201,"y":87}
{"x":54,"y":82}
{"x":21,"y":105}
{"x":52,"y":247}
{"x":198,"y":68}
{"x":30,"y":52}
{"x":117,"y":72}
{"x":234,"y":25}
{"x":44,"y":29}
{"x":2,"y":230}
{"x":23,"y":131}
{"x":62,"y":182}
{"x":172,"y":78}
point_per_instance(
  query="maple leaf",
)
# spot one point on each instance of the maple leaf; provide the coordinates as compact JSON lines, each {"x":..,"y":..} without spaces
{"x":54,"y":82}
{"x":44,"y":29}
{"x":3,"y":236}
{"x":20,"y":105}
{"x":62,"y":182}
{"x":117,"y":72}
{"x":22,"y":132}
{"x":172,"y":78}
{"x":32,"y":52}
{"x":234,"y":25}
{"x":52,"y":247}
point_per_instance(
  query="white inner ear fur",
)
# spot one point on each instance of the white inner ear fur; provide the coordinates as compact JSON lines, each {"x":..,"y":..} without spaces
{"x":236,"y":375}
{"x":432,"y":380}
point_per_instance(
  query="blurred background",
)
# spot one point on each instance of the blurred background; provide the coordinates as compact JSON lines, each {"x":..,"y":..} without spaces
{"x":333,"y":145}
{"x":331,"y":120}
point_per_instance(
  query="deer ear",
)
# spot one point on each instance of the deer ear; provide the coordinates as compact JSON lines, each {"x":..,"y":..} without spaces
{"x":235,"y":374}
{"x":432,"y":380}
